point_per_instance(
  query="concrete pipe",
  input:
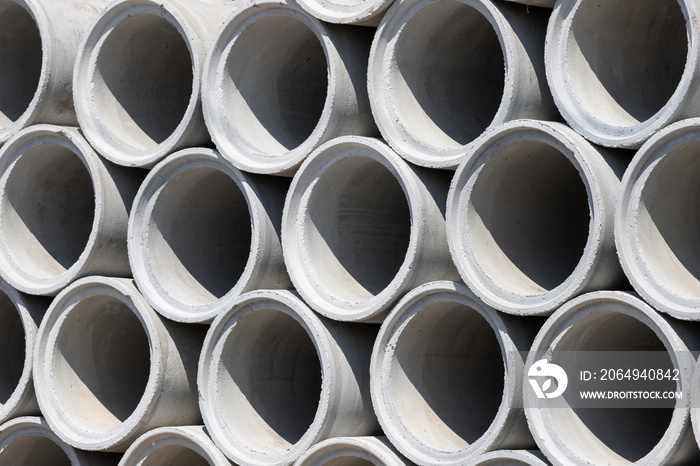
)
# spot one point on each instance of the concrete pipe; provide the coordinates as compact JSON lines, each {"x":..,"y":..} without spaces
{"x":107,"y":368}
{"x":174,"y":446}
{"x":446,"y":376}
{"x":511,"y":458}
{"x":613,"y":321}
{"x":38,"y":47}
{"x":657,"y":221}
{"x":361,"y":227}
{"x":542,"y":3}
{"x":271,"y":99}
{"x":201,"y":233}
{"x":20,"y":316}
{"x":355,"y":12}
{"x":619,"y":71}
{"x":63,"y":210}
{"x":274,"y":379}
{"x":353,"y":451}
{"x":137,"y":78}
{"x":440,"y":73}
{"x":527,"y":244}
{"x":30,"y":441}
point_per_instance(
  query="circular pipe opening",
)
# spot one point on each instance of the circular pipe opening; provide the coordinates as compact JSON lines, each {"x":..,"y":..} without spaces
{"x":34,"y":449}
{"x":48,"y":209}
{"x":528,"y":233}
{"x":357,"y":228}
{"x":349,"y":461}
{"x":447,"y":376}
{"x":274,"y":85}
{"x":12,"y":349}
{"x":625,"y":59}
{"x":199,"y":236}
{"x":614,"y":435}
{"x":449,"y":74}
{"x":20,"y":61}
{"x":668,"y":222}
{"x":143,"y":81}
{"x":269,"y":381}
{"x":100,"y":364}
{"x":174,"y":455}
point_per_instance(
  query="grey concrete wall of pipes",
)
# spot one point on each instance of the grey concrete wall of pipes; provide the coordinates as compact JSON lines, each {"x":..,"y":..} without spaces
{"x":343,"y":232}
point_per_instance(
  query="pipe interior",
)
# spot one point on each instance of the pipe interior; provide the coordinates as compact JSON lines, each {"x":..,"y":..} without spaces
{"x":34,"y":450}
{"x":269,"y":381}
{"x":12,"y":348}
{"x":359,"y":229}
{"x":143,"y":81}
{"x":350,"y":461}
{"x":275,"y":85}
{"x":668,"y":222}
{"x":20,"y":61}
{"x":625,"y":59}
{"x":199,"y":236}
{"x":100,"y":363}
{"x":528,"y":218}
{"x":448,"y":73}
{"x":614,"y":436}
{"x":174,"y":455}
{"x":48,"y":210}
{"x":447,"y":376}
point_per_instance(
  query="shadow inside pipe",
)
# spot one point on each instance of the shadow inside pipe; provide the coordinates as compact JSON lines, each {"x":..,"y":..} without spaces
{"x":450,"y":74}
{"x":20,"y":61}
{"x":143,"y":80}
{"x":12,"y":348}
{"x":34,"y":449}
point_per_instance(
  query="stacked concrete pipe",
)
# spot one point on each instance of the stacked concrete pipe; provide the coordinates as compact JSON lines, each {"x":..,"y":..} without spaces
{"x":174,"y":446}
{"x":137,"y":78}
{"x":38,"y":46}
{"x":201,"y":233}
{"x":360,"y":13}
{"x":108,"y":368}
{"x":361,"y":228}
{"x":620,"y":71}
{"x":657,"y":221}
{"x":63,"y":210}
{"x":353,"y":451}
{"x":446,"y":376}
{"x":270,"y":99}
{"x":275,"y":378}
{"x":29,"y":440}
{"x":20,"y":316}
{"x":440,"y":73}
{"x":615,"y":321}
{"x":530,"y":217}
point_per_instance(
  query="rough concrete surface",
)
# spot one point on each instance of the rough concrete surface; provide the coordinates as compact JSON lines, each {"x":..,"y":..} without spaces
{"x":511,"y":458}
{"x":353,"y":451}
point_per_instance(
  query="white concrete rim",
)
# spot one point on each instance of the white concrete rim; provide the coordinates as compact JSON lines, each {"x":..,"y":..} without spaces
{"x":648,"y":157}
{"x":295,"y":252}
{"x":364,"y":448}
{"x":227,"y":141}
{"x":601,"y":132}
{"x":417,"y":151}
{"x":248,"y":303}
{"x":33,"y":425}
{"x":565,"y":318}
{"x":190,"y":437}
{"x":34,"y":8}
{"x":344,"y":12}
{"x":144,"y":203}
{"x":7,"y":408}
{"x":47,"y":396}
{"x":98,"y":132}
{"x":10,"y":269}
{"x":508,"y":457}
{"x":383,"y":352}
{"x":570,"y":145}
